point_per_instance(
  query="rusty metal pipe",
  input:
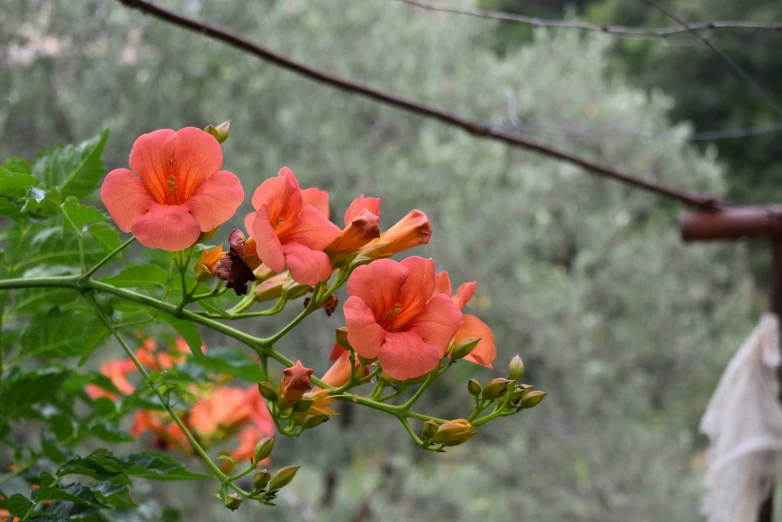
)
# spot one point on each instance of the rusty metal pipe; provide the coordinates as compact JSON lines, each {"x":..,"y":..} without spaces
{"x":731,"y":223}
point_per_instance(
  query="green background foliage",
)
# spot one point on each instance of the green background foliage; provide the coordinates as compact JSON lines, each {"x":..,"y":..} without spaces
{"x":625,"y":326}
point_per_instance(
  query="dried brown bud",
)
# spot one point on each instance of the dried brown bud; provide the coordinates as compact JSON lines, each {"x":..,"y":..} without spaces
{"x":232,"y":268}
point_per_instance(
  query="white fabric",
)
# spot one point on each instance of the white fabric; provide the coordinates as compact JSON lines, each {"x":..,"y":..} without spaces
{"x":744,"y":424}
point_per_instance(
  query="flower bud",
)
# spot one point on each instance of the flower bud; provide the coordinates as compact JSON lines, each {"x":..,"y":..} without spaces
{"x":295,"y":381}
{"x":233,"y":502}
{"x":268,"y":392}
{"x":220,"y":132}
{"x":474,"y":387}
{"x":463,"y":348}
{"x":314,"y":421}
{"x":283,"y":477}
{"x":454,"y":432}
{"x":264,"y":448}
{"x":532,"y":398}
{"x":516,"y":368}
{"x":294,"y":290}
{"x":302,"y":405}
{"x":205,"y":268}
{"x":518,"y":393}
{"x":496,"y":388}
{"x":430,"y":428}
{"x":341,"y":336}
{"x":206,"y":236}
{"x":260,"y":479}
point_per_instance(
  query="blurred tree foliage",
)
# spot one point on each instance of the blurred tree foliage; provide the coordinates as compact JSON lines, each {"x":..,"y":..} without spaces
{"x":706,"y":92}
{"x":628,"y":328}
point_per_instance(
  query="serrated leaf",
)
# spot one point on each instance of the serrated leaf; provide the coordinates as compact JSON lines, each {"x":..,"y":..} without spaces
{"x":37,"y":300}
{"x":79,"y":381}
{"x":61,"y":425}
{"x":52,"y":451}
{"x":110,"y":433}
{"x":209,"y":307}
{"x":188,"y":331}
{"x":76,"y":171}
{"x":15,"y":184}
{"x":61,"y":334}
{"x":19,"y":505}
{"x":19,"y":165}
{"x":19,"y":391}
{"x":231,"y":361}
{"x":106,"y":235}
{"x":76,"y":493}
{"x":47,"y":479}
{"x":79,"y":215}
{"x":139,"y":275}
{"x":100,"y":465}
{"x":155,"y":466}
{"x":50,"y":246}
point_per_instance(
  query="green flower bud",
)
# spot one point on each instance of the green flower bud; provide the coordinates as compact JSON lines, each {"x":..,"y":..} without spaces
{"x":516,"y":368}
{"x":283,"y":403}
{"x":315,"y":420}
{"x":532,"y":398}
{"x":474,"y":387}
{"x":430,"y":428}
{"x":264,"y":448}
{"x":220,"y":132}
{"x":496,"y":388}
{"x":463,"y":348}
{"x":518,"y":393}
{"x":453,"y":433}
{"x":268,"y":392}
{"x":302,"y":405}
{"x":260,"y":479}
{"x":233,"y":502}
{"x":341,"y":335}
{"x":283,"y":477}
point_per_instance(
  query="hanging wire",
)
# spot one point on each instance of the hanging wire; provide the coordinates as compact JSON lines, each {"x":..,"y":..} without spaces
{"x":730,"y":61}
{"x":715,"y":135}
{"x":640,"y":32}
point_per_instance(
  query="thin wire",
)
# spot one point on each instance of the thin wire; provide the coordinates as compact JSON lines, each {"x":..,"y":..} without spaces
{"x":715,"y":135}
{"x":584,"y":26}
{"x":735,"y":66}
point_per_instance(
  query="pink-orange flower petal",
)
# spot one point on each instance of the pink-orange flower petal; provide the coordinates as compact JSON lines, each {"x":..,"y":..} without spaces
{"x":405,"y":355}
{"x":267,"y":244}
{"x":308,"y":267}
{"x":168,"y":227}
{"x":485,"y":352}
{"x":216,"y":199}
{"x":175,"y":187}
{"x":283,"y":227}
{"x":412,"y":230}
{"x":360,"y":204}
{"x":310,"y":229}
{"x":125,"y":196}
{"x":438,"y":322}
{"x":378,"y":284}
{"x":417,"y":290}
{"x":365,"y":335}
{"x":318,"y":199}
{"x":464,"y":293}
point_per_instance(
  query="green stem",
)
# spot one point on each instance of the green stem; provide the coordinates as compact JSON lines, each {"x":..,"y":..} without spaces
{"x":243,"y":305}
{"x":311,"y":307}
{"x":129,"y":351}
{"x":106,"y":259}
{"x":430,"y":378}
